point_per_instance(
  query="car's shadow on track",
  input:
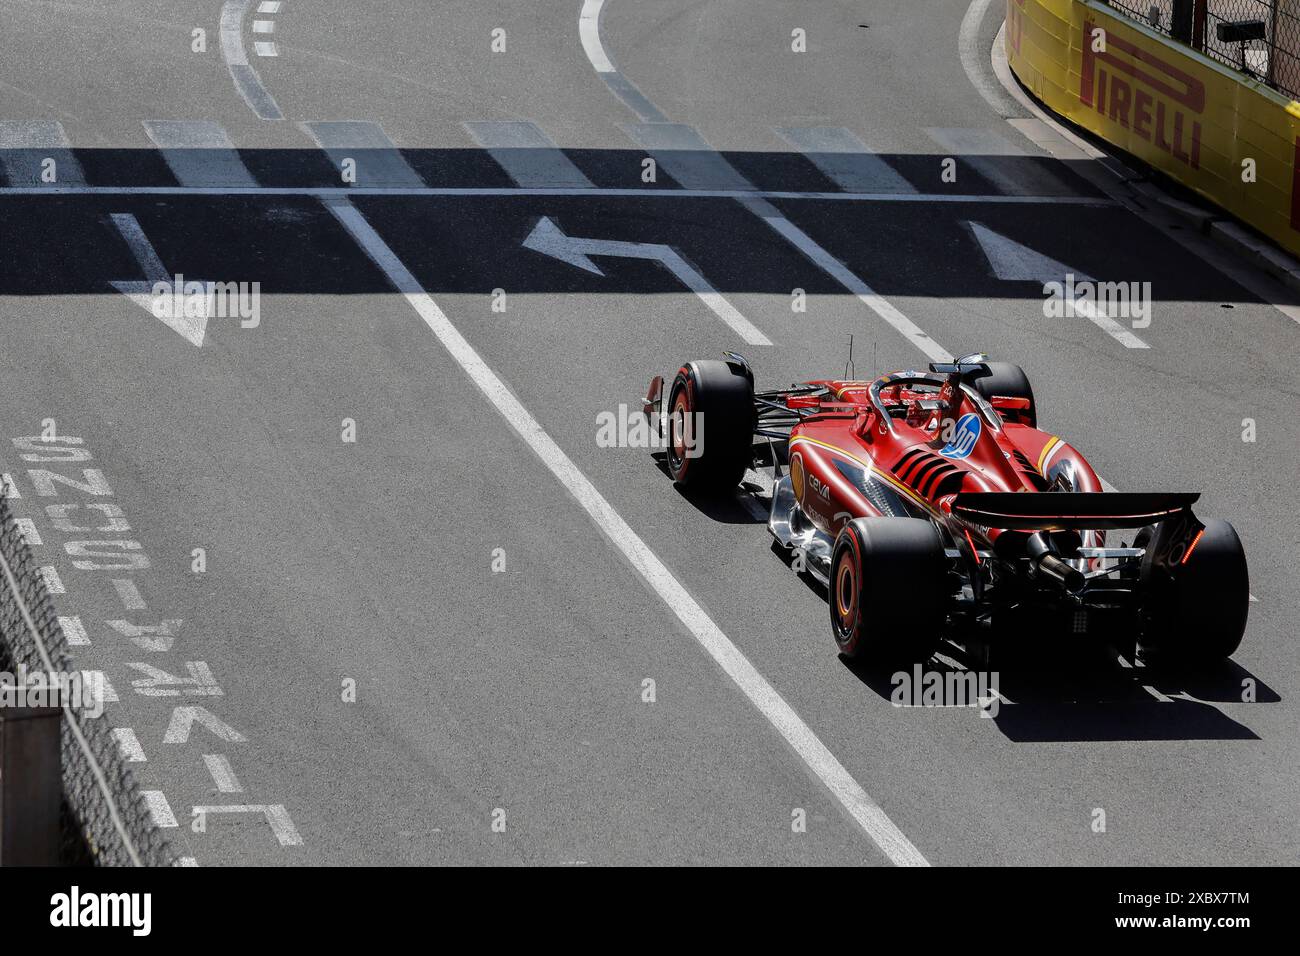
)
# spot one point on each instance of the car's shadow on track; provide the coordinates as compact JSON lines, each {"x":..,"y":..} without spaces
{"x":723,"y":508}
{"x":1090,"y":697}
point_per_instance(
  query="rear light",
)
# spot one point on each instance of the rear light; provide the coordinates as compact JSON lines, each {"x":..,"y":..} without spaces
{"x":1192,"y":547}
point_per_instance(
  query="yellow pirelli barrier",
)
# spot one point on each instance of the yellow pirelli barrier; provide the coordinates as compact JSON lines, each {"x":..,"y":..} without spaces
{"x":1228,"y":137}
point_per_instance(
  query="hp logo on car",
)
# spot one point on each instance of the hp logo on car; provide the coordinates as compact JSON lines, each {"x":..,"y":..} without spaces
{"x":964,"y":436}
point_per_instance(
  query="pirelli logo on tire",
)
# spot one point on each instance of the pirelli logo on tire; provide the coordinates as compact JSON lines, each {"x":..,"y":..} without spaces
{"x":1146,"y":94}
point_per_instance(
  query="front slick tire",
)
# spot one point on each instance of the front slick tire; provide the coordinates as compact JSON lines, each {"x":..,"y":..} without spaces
{"x":710,"y":407}
{"x":1197,"y":618}
{"x":887,"y":595}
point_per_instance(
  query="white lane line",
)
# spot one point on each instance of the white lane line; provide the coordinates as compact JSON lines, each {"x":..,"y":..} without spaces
{"x":159,"y":808}
{"x":733,"y":662}
{"x":325,"y":192}
{"x":589,"y":33}
{"x":263,"y":26}
{"x":527,"y":154}
{"x":246,"y":80}
{"x":686,"y":156}
{"x":968,"y":47}
{"x":129,"y":594}
{"x":868,"y":296}
{"x":619,"y":85}
{"x":74,"y":631}
{"x":845,"y":160}
{"x":1157,"y":695}
{"x":199,"y":153}
{"x":548,"y":239}
{"x":222,"y":776}
{"x":1108,"y":325}
{"x":128,"y":744}
{"x":25,"y":148}
{"x":377,"y":159}
{"x":265,"y":48}
{"x":269,"y":7}
{"x":275,"y":814}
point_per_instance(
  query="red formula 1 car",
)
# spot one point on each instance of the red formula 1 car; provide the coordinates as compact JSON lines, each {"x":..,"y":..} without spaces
{"x":932,"y":506}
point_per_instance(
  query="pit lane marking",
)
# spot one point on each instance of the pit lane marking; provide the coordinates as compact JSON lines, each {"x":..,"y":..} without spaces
{"x":595,"y":192}
{"x":619,"y":85}
{"x":128,"y":594}
{"x":24,"y":145}
{"x":159,"y":808}
{"x":765,"y":698}
{"x":246,"y":80}
{"x":128,"y":744}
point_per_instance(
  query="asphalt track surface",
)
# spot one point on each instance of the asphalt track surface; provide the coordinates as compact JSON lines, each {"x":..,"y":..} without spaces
{"x":371,"y":561}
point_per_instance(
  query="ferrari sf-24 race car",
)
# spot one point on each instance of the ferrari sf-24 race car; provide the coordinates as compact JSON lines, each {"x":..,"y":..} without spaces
{"x":931,"y":506}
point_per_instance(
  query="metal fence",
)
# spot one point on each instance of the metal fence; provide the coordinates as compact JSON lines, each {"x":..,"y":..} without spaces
{"x":106,"y":820}
{"x":1260,"y":38}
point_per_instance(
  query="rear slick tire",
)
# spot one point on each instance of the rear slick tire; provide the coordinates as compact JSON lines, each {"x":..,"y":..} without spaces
{"x":1197,"y":617}
{"x":887,"y":590}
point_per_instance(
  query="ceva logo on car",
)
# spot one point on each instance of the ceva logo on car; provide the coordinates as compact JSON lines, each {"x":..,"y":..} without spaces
{"x":964,"y":436}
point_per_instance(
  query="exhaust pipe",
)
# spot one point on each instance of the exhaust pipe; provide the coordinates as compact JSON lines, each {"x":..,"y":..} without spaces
{"x":1046,"y":560}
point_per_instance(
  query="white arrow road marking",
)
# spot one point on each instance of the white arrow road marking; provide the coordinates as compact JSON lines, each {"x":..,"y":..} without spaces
{"x":190,"y":328}
{"x":1014,"y":262}
{"x":184,"y":719}
{"x":548,"y":239}
{"x":765,"y":698}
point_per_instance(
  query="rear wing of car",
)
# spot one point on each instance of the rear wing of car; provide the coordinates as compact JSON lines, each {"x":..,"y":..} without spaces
{"x":1078,"y":510}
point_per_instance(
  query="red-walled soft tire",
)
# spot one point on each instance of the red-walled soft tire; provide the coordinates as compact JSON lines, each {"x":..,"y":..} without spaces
{"x":719,"y":398}
{"x":887,"y":590}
